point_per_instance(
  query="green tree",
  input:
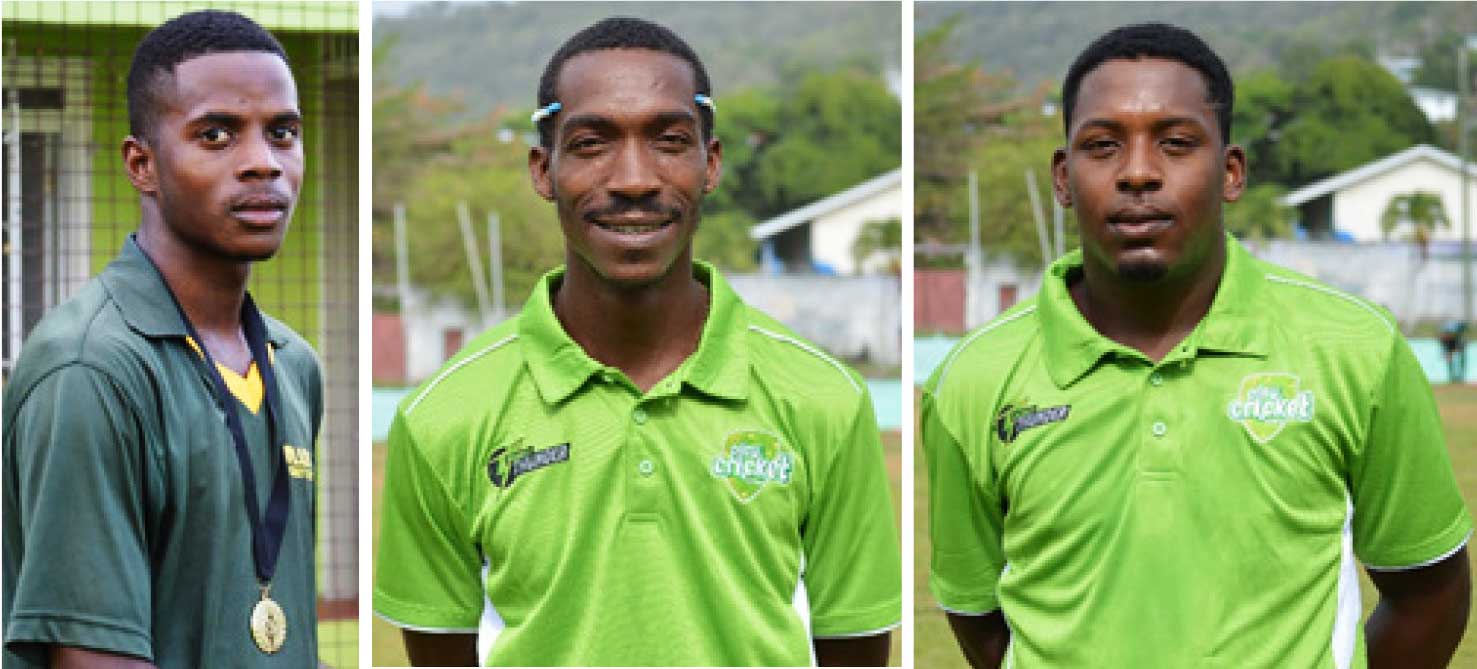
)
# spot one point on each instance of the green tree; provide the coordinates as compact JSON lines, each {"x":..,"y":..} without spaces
{"x":1423,"y":212}
{"x":884,"y":236}
{"x":1259,"y":214}
{"x":1348,"y":112}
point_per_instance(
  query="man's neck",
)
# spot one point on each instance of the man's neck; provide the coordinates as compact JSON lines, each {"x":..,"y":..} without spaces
{"x":646,"y":332}
{"x":1151,"y":317}
{"x":210,"y":289}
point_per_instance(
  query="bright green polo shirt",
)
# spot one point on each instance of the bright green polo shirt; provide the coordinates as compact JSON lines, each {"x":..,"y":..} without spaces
{"x":725,"y":517}
{"x":125,"y":523}
{"x":1205,"y":511}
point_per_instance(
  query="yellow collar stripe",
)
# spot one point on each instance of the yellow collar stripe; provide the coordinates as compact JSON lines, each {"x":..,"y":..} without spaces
{"x":248,"y":388}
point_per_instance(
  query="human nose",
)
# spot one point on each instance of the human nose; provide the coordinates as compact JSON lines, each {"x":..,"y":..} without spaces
{"x":259,"y":160}
{"x":1141,"y":171}
{"x":634,"y":174}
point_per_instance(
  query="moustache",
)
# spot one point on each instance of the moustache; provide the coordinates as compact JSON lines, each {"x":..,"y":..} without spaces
{"x":647,"y":206}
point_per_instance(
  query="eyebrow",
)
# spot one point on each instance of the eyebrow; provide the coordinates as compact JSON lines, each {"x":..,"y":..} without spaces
{"x":601,"y":121}
{"x":233,"y":120}
{"x":1160,"y":124}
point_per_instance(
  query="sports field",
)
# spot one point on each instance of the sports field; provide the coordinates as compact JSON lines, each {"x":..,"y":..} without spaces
{"x":388,"y":651}
{"x":935,"y":644}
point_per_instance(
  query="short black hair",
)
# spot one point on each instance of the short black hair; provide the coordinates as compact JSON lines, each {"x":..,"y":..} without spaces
{"x":621,"y":32}
{"x":179,"y":39}
{"x":1154,"y":40}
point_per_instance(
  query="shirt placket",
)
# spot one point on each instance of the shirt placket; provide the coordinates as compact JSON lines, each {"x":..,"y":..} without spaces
{"x":1160,"y":428}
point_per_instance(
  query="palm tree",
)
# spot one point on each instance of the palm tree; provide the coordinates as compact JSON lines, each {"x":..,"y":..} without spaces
{"x":1423,"y":211}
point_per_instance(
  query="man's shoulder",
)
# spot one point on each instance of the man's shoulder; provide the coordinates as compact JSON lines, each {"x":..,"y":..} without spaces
{"x":87,"y":331}
{"x":985,"y":353}
{"x":1300,"y":304}
{"x":794,"y":368}
{"x":485,"y":369}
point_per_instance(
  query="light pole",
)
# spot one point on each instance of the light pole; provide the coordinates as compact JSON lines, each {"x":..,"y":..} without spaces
{"x":1464,"y":91}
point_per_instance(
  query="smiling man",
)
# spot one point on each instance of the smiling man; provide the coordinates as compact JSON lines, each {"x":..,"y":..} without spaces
{"x":158,"y":479}
{"x":1176,"y":454}
{"x":638,"y":469}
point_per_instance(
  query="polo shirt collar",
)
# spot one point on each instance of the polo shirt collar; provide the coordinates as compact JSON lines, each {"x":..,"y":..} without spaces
{"x":559,"y":367}
{"x":1236,"y":323}
{"x":136,"y":285}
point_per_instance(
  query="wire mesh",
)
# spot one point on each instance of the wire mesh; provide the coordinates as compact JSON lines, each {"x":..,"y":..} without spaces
{"x":68,"y":206}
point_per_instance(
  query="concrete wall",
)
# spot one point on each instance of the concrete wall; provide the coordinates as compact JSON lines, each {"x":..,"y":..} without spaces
{"x":852,"y":317}
{"x":1357,"y":209}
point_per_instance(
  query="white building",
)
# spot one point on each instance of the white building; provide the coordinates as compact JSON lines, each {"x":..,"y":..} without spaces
{"x":819,"y":236}
{"x":1349,"y":205}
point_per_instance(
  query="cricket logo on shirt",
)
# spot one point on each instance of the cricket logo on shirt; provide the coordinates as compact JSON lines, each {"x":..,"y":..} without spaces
{"x":508,"y":464}
{"x":1267,"y":402}
{"x":751,"y":460}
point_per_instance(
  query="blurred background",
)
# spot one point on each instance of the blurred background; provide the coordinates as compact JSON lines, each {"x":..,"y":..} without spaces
{"x":1350,"y":116}
{"x":68,"y":208}
{"x":806,"y":223}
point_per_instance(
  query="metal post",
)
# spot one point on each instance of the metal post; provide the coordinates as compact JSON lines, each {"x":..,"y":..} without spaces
{"x":495,"y":264}
{"x":1040,"y":217}
{"x":16,"y":244}
{"x":402,"y":260}
{"x":973,"y":257}
{"x":474,"y":261}
{"x":1464,"y":90}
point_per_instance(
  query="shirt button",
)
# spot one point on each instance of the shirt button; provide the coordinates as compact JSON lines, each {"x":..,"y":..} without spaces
{"x":639,"y":415}
{"x":1156,"y":379}
{"x":646,"y":468}
{"x":1159,"y":429}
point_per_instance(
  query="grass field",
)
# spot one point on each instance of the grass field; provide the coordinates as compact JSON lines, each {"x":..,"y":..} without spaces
{"x":389,"y":652}
{"x":935,"y":646}
{"x":338,"y":643}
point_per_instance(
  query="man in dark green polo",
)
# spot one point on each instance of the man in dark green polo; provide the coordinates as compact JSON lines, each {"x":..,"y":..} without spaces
{"x":158,"y":475}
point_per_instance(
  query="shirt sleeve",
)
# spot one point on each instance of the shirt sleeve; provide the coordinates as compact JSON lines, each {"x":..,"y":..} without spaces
{"x":428,"y":570}
{"x":1408,"y":511}
{"x":966,"y":521}
{"x":77,"y":467}
{"x":853,"y":573}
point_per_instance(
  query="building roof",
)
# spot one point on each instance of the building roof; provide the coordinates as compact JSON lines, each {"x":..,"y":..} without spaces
{"x":826,"y":205}
{"x":332,"y":16}
{"x":1373,"y":169}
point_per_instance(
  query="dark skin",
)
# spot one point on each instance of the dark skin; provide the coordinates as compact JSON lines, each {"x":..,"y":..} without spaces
{"x":217,"y":175}
{"x":1147,"y":171}
{"x":627,"y":170}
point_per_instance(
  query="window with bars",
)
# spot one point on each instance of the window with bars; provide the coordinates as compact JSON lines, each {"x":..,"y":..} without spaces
{"x":67,"y":207}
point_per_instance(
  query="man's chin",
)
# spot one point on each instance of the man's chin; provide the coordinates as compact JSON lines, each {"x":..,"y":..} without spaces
{"x":1142,"y":270}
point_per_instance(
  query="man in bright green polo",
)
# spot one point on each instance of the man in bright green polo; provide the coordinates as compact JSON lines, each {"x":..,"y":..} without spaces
{"x":1176,"y":455}
{"x":158,"y":477}
{"x":638,"y":469}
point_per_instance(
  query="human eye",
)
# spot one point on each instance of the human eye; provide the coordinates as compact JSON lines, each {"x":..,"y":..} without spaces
{"x":214,"y":136}
{"x":674,"y":140}
{"x":1179,"y":143}
{"x":285,"y":134}
{"x":585,"y":144}
{"x":1099,"y":146}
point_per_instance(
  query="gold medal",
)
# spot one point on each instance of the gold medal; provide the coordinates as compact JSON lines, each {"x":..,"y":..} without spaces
{"x":268,"y":623}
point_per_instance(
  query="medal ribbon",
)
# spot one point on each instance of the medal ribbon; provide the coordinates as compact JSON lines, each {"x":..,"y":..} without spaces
{"x":266,"y":532}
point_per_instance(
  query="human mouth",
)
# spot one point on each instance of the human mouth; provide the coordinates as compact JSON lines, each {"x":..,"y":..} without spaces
{"x":260,"y":210}
{"x":1133,"y":223}
{"x":633,"y":227}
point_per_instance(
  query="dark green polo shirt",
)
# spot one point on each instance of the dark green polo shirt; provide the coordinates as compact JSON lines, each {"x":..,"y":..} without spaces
{"x":726,"y":516}
{"x":1208,"y":510}
{"x":125,"y":524}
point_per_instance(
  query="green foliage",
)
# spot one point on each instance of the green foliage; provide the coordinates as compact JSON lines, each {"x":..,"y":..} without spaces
{"x":955,"y":106}
{"x":1421,"y":211}
{"x":787,"y":148}
{"x":1258,"y":214}
{"x":1439,"y":59}
{"x":885,"y":236}
{"x":1348,"y":112}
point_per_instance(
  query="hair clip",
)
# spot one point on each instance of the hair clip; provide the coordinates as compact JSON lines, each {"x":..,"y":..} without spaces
{"x":706,"y":102}
{"x":547,"y":111}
